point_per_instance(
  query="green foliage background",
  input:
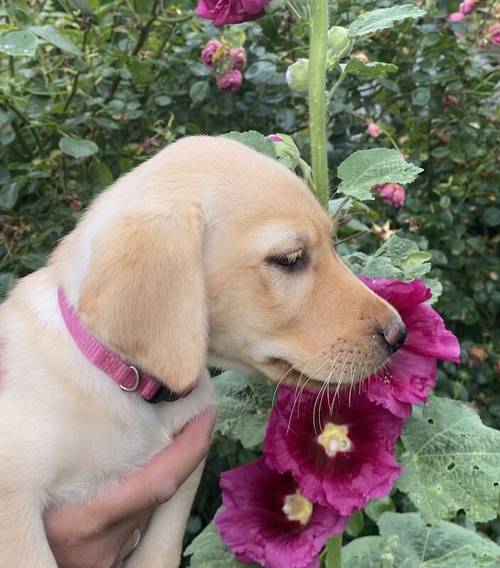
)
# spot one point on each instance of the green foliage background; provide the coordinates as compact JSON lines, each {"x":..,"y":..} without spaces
{"x":91,"y":88}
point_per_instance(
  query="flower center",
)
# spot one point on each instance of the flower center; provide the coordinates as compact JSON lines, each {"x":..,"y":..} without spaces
{"x":298,"y":508}
{"x":334,"y":439}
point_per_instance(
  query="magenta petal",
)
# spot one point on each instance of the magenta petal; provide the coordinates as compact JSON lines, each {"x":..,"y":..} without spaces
{"x":349,"y":479}
{"x":253,"y":525}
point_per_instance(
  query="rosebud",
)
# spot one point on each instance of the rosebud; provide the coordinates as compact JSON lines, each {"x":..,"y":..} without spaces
{"x":238,"y":58}
{"x":230,"y":82}
{"x":450,"y":101}
{"x":391,"y":193}
{"x":297,"y":76}
{"x":374,"y":130}
{"x":339,"y":42}
{"x":208,"y":52}
{"x":456,"y":17}
{"x":494,"y":34}
{"x":467,"y":7}
{"x":275,"y":138}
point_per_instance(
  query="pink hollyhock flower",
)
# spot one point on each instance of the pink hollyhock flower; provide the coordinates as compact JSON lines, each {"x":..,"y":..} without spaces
{"x":230,"y":82}
{"x":374,"y":130}
{"x":208,"y":52}
{"x":494,"y":34}
{"x":391,"y":193}
{"x":222,"y":12}
{"x":467,"y":7}
{"x":266,"y":519}
{"x":238,"y":58}
{"x":275,"y":138}
{"x":340,"y":452}
{"x":456,"y":17}
{"x":411,"y":371}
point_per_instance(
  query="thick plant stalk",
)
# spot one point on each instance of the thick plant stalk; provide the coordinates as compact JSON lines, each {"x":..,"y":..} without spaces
{"x":317,"y":97}
{"x":318,"y":32}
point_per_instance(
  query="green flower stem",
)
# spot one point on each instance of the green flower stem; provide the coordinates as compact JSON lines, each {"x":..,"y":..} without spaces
{"x":336,"y":85}
{"x":334,"y":552}
{"x":317,"y":97}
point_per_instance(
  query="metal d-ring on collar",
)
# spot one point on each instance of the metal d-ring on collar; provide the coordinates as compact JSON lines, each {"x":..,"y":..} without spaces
{"x":135,"y":386}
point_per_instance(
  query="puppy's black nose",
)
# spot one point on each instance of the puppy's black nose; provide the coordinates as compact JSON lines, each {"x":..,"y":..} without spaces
{"x":394,"y":335}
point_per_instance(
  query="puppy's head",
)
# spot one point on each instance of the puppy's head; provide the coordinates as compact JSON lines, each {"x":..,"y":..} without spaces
{"x":228,"y":253}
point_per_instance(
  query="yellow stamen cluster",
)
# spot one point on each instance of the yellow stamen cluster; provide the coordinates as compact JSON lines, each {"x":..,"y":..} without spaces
{"x":334,"y":439}
{"x":298,"y":508}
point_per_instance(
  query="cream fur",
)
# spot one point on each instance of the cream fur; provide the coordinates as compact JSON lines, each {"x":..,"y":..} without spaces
{"x":168,"y":266}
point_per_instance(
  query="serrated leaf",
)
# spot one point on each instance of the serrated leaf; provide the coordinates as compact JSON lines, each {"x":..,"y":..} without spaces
{"x":78,"y":147}
{"x":255,"y":140}
{"x":452,"y":462}
{"x":243,"y":404}
{"x":53,"y":36}
{"x":373,"y":70}
{"x":444,"y":545}
{"x":19,"y":43}
{"x":366,"y":168}
{"x":377,"y":507}
{"x":208,"y":551}
{"x":383,"y":18}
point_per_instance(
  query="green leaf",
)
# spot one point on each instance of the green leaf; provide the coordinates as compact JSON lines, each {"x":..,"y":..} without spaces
{"x":34,"y":260}
{"x":7,"y":281}
{"x":77,"y":147}
{"x":374,"y":70}
{"x":255,"y":140}
{"x":9,"y":194}
{"x":262,"y":73}
{"x":355,"y":525}
{"x":378,"y":507}
{"x":140,"y":71}
{"x":199,"y":91}
{"x":51,"y":35}
{"x":444,"y":545}
{"x":421,"y":96}
{"x":366,"y":168}
{"x":19,"y":43}
{"x":208,"y":551}
{"x":452,"y":462}
{"x":370,"y":552}
{"x":102,"y":173}
{"x":383,"y":18}
{"x":243,"y":403}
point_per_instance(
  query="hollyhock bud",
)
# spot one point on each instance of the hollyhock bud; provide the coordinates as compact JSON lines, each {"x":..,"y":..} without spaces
{"x":297,"y":76}
{"x":494,"y":34}
{"x":339,"y":42}
{"x":467,"y":7}
{"x":238,"y":58}
{"x":222,"y":12}
{"x":208,"y":52}
{"x":456,"y":17}
{"x":391,"y":193}
{"x":230,"y":82}
{"x":374,"y":130}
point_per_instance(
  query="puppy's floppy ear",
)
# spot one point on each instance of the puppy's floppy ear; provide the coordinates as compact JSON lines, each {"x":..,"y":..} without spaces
{"x":144,"y":292}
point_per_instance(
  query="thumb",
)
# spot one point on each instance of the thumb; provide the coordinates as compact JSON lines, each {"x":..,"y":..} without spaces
{"x":160,"y":478}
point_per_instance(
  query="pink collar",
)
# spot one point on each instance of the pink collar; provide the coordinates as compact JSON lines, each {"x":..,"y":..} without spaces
{"x":127,"y":376}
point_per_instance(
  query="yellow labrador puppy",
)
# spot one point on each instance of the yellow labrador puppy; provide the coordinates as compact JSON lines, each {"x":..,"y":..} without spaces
{"x":207,"y":252}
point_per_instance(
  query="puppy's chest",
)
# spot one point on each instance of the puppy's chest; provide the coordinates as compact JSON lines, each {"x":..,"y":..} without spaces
{"x":104,"y":449}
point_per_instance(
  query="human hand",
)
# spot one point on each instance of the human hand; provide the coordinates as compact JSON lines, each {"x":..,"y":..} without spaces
{"x":102,"y":532}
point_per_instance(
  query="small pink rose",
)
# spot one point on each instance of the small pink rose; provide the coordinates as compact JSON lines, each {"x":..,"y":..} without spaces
{"x":467,"y":7}
{"x":238,"y":58}
{"x":456,"y":17}
{"x":494,"y":34}
{"x":374,"y":130}
{"x":391,"y":193}
{"x":208,"y":52}
{"x":230,"y":82}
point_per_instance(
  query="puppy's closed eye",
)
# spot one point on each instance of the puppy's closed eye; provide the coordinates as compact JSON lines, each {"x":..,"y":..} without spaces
{"x":290,"y":261}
